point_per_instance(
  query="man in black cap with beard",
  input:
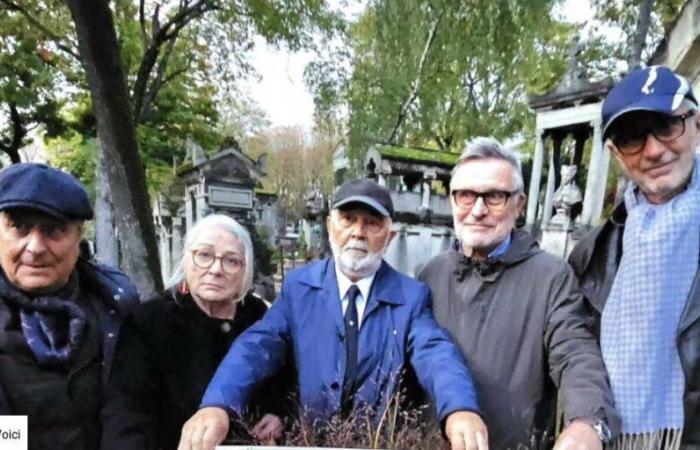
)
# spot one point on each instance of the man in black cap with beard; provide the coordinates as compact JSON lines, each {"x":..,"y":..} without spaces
{"x":353,"y":324}
{"x":59,"y":314}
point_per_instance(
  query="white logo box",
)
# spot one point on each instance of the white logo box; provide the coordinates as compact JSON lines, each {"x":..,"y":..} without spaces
{"x":13,"y":433}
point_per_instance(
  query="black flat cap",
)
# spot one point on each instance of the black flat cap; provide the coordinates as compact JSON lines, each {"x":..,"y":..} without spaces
{"x":43,"y":188}
{"x":367,"y":192}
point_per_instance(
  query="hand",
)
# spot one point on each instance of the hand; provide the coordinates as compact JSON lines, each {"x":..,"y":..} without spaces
{"x":268,"y":429}
{"x":205,"y":430}
{"x":578,"y":435}
{"x":466,"y":431}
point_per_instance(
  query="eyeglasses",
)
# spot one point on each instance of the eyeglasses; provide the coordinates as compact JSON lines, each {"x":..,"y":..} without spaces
{"x":495,"y":200}
{"x":629,"y":140}
{"x":230,"y":263}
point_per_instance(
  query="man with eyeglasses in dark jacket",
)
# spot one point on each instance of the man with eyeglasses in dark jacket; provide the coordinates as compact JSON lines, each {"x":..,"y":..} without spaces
{"x":517,"y":314}
{"x":640,"y":268}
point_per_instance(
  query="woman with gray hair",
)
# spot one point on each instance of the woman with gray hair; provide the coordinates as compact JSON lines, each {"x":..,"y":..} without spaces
{"x":170,"y":348}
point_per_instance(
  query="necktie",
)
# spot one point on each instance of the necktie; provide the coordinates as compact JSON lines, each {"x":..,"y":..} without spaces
{"x":351,"y":333}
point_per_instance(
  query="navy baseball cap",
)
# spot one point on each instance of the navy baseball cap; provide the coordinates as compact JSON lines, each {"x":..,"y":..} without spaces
{"x":367,"y":192}
{"x":655,"y":88}
{"x":43,"y":188}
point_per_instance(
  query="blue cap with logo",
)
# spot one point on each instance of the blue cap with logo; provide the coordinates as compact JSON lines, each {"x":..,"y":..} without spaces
{"x":654,"y":88}
{"x":43,"y":188}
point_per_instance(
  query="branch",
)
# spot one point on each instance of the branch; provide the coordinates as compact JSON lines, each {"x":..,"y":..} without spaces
{"x":33,"y":21}
{"x":166,"y":33}
{"x":416,"y":85}
{"x":160,"y":79}
{"x":142,"y":23}
{"x":18,"y":133}
{"x":640,"y":34}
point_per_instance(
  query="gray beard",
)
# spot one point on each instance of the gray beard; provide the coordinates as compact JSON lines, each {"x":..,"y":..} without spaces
{"x":352,"y":266}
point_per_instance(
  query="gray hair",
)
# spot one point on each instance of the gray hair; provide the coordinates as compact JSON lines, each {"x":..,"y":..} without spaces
{"x":489,"y":148}
{"x":233,"y":227}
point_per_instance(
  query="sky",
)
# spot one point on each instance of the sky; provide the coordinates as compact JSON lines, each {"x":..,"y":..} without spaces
{"x":280,"y":90}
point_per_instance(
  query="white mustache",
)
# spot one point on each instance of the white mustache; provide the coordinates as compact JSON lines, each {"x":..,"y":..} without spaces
{"x":356,"y":245}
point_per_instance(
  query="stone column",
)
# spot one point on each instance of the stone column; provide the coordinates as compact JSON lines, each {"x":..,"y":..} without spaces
{"x":535,"y":178}
{"x":594,"y":195}
{"x":428,"y":176}
{"x":202,"y":200}
{"x":549,"y":192}
{"x":382,"y":172}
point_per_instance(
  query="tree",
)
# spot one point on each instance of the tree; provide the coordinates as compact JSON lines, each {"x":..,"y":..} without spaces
{"x":637,"y":27}
{"x":433,"y":73}
{"x":32,"y":69}
{"x":145,"y":67}
{"x":297,"y":163}
{"x":99,"y":50}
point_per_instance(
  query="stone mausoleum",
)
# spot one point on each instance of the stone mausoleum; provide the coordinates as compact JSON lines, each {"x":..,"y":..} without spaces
{"x":226,"y":182}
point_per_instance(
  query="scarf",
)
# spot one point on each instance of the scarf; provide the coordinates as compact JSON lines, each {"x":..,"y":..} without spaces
{"x":53,"y":325}
{"x":642,"y":313}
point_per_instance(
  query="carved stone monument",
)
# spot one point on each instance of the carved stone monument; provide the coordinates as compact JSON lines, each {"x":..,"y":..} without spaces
{"x":556,"y":235}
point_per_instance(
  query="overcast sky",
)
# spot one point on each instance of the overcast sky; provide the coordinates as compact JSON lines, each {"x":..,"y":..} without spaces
{"x":281,"y":93}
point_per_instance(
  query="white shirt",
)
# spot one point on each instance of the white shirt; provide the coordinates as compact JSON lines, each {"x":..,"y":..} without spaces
{"x":364,"y":284}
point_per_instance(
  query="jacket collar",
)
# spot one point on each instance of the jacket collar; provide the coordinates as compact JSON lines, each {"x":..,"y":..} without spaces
{"x":386,"y":288}
{"x":386,"y":284}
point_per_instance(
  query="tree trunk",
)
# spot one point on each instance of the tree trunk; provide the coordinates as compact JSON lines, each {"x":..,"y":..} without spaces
{"x":640,"y":34}
{"x":106,"y":240}
{"x":99,"y":50}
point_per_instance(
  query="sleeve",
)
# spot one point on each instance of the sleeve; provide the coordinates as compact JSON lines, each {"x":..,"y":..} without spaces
{"x":438,"y":364}
{"x":255,"y":356}
{"x":575,"y":361}
{"x":129,"y":413}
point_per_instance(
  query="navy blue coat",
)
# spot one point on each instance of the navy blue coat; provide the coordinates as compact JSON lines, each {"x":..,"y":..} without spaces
{"x":397,"y":330}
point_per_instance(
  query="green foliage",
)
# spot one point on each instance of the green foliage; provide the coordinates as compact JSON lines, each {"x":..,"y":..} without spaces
{"x":419,"y":155}
{"x":608,"y":55}
{"x":32,"y":71}
{"x":183,"y":67}
{"x":76,"y":154}
{"x":484,"y":57}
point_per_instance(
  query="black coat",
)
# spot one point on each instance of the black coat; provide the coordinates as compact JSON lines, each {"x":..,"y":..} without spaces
{"x":521,"y":323}
{"x":595,"y":260}
{"x":63,"y":404}
{"x":167,"y":354}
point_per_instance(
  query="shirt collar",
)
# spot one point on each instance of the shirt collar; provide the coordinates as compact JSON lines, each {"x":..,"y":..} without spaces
{"x":502,"y":248}
{"x":498,"y":251}
{"x":344,"y":283}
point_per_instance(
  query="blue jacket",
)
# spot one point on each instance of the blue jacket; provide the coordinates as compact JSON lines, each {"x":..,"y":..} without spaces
{"x":306,"y":319}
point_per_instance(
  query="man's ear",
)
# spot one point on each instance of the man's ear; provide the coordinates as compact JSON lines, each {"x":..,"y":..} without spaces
{"x":392,"y":235}
{"x":522,"y":201}
{"x":612,"y":148}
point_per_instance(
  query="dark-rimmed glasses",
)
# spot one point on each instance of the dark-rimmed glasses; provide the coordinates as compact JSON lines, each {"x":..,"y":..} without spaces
{"x":629,"y":140}
{"x":495,"y":200}
{"x":230,"y":262}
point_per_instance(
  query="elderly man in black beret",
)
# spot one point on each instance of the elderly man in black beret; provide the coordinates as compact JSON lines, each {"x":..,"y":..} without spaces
{"x":59,"y":314}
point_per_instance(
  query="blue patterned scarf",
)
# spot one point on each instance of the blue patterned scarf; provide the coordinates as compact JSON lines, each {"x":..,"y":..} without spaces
{"x":642,"y":313}
{"x":53,"y":326}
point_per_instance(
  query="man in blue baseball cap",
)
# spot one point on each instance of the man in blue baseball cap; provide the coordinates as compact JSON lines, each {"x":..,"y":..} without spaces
{"x":59,"y":314}
{"x":640,"y":268}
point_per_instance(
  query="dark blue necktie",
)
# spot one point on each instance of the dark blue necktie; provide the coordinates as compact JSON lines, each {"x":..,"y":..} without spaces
{"x":351,"y":333}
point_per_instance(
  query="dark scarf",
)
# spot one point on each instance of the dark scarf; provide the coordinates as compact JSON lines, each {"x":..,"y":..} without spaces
{"x":53,"y":325}
{"x":487,"y":268}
